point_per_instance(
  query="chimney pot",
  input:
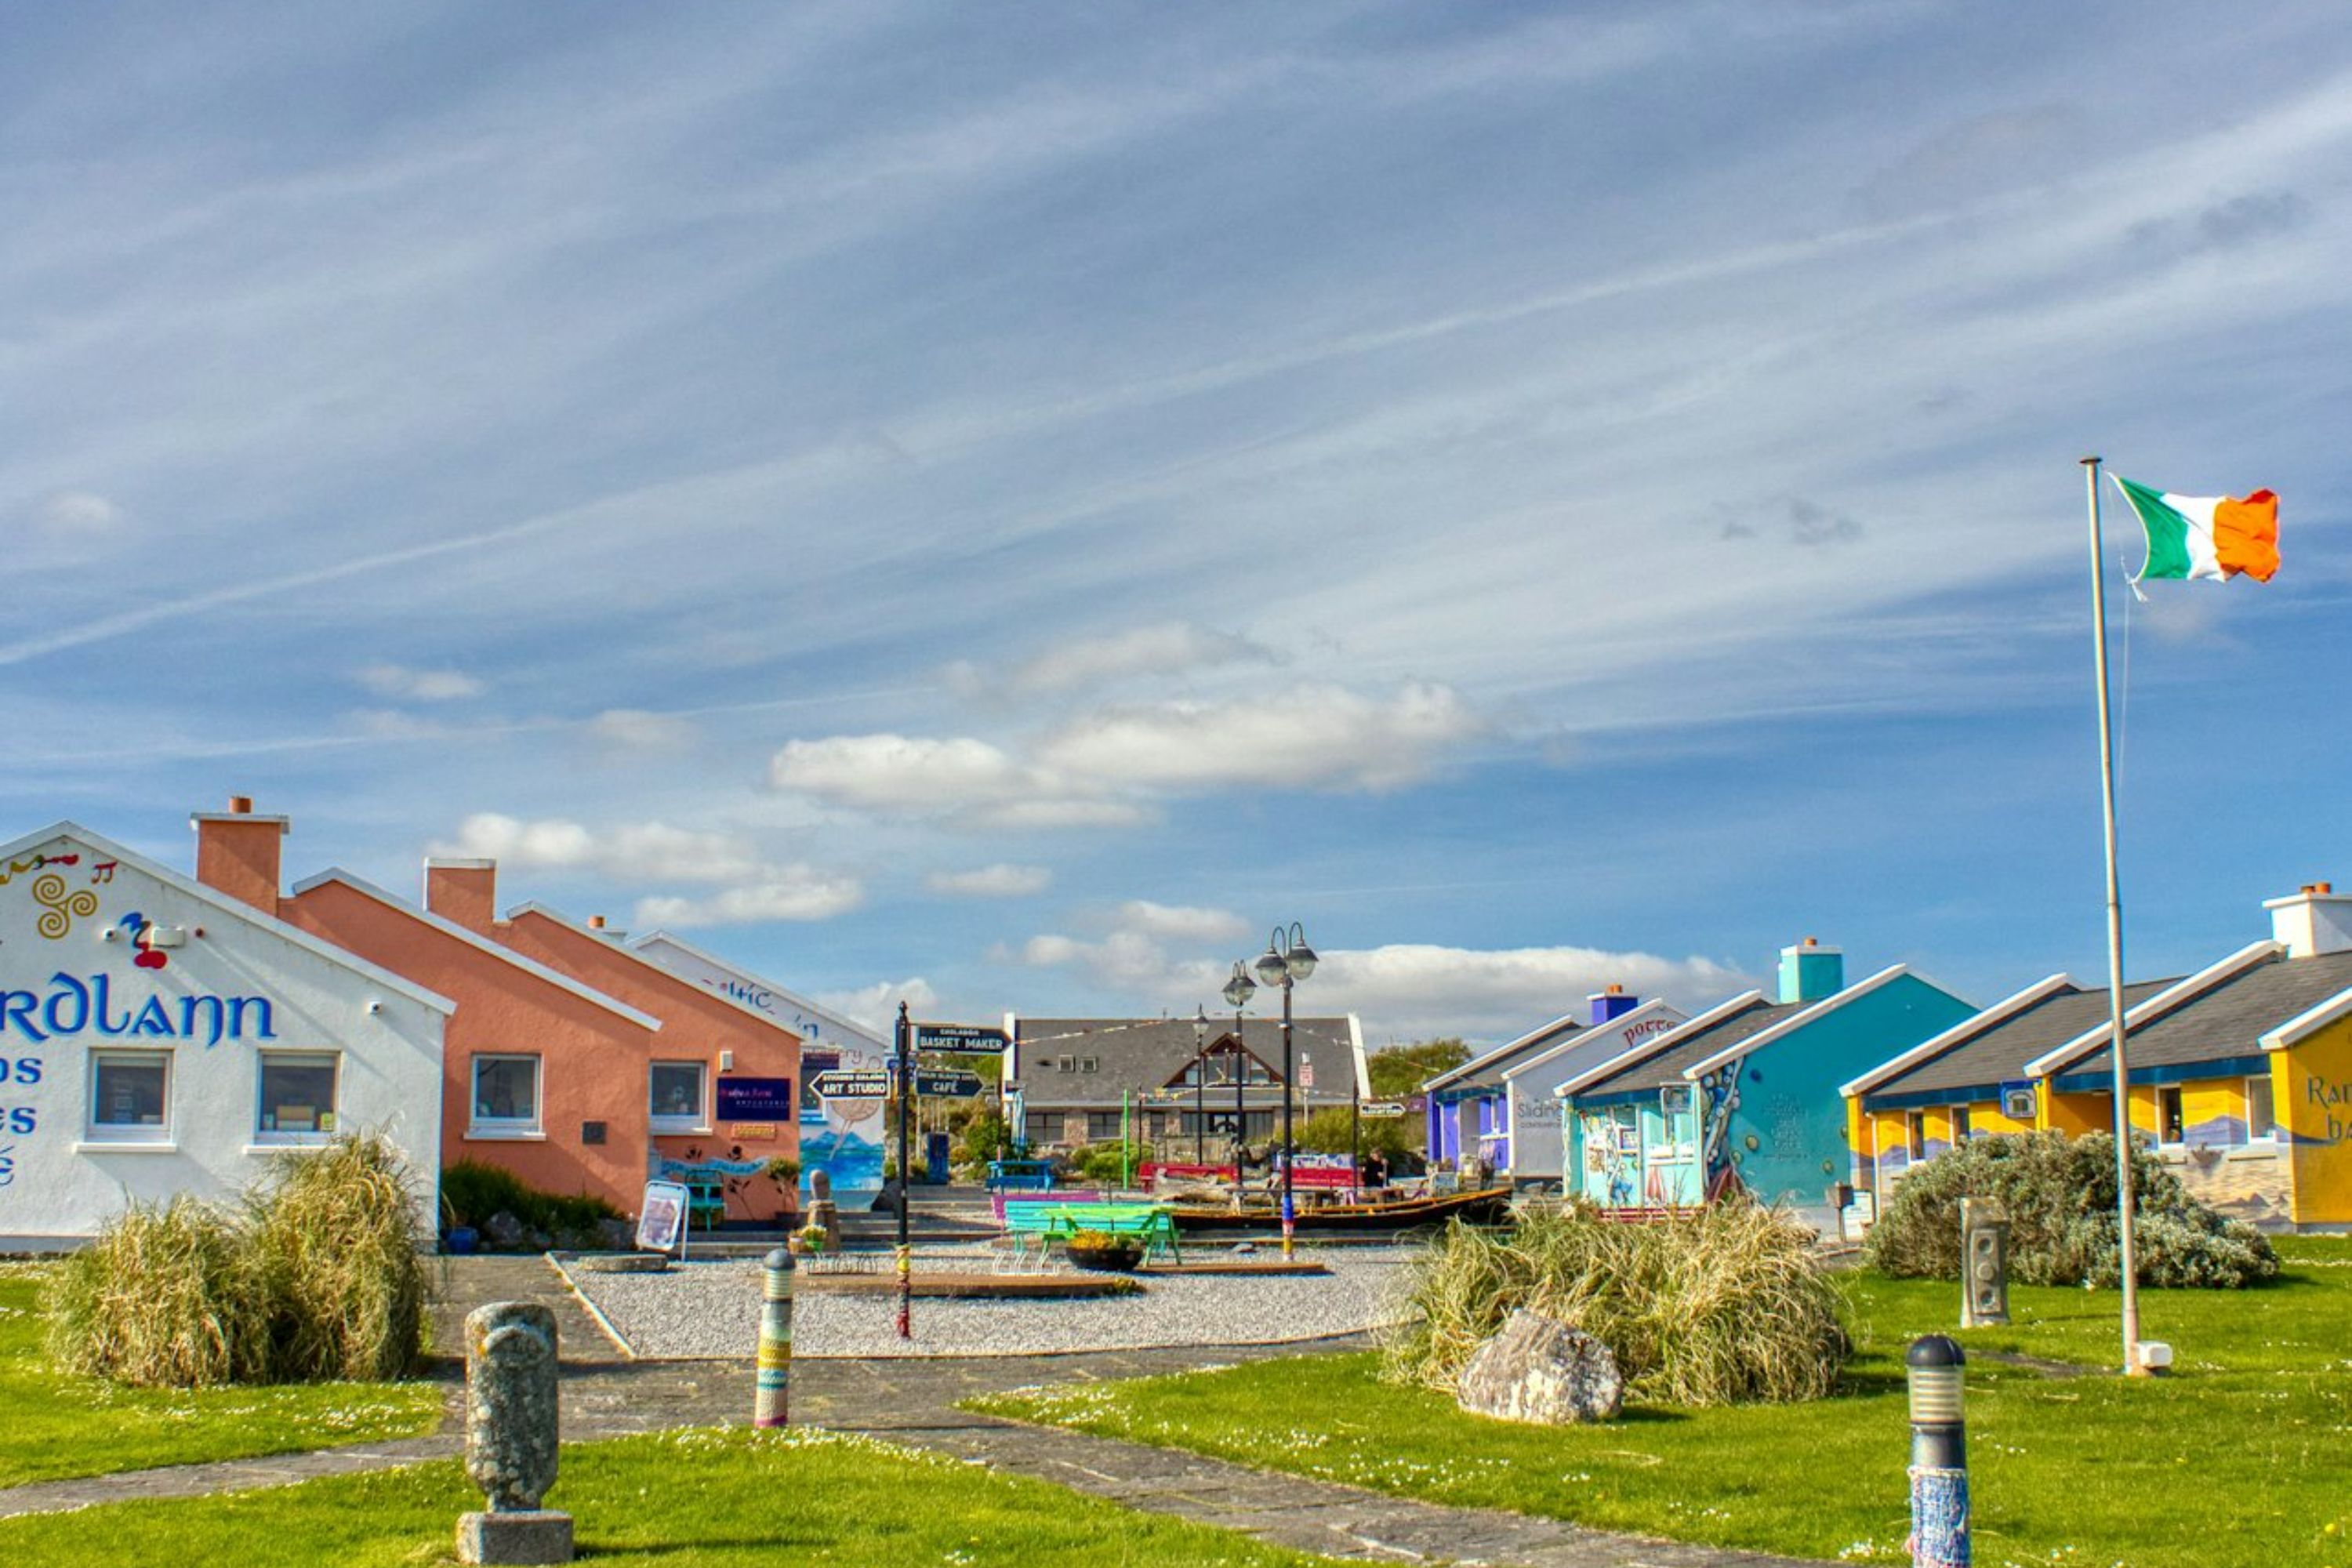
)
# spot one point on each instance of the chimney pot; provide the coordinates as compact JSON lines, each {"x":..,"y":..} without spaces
{"x":595,"y":923}
{"x":1615,"y":989}
{"x":241,"y":804}
{"x":2323,"y":886}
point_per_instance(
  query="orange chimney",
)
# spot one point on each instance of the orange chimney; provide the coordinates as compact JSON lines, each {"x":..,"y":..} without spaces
{"x":463,"y":892}
{"x":239,"y":853}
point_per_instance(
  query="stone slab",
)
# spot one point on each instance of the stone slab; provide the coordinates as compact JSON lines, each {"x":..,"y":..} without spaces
{"x":537,"y":1535}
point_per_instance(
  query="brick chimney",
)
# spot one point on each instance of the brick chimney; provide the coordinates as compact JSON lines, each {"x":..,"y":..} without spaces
{"x":1609,"y":1004}
{"x":239,"y":853}
{"x":1810,"y":972}
{"x":2313,"y":920}
{"x":463,"y":892}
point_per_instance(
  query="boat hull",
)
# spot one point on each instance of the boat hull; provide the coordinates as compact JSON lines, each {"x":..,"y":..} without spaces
{"x":1485,"y":1207}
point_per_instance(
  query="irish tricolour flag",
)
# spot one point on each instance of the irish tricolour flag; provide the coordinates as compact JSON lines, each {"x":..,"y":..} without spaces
{"x":2205,"y":536}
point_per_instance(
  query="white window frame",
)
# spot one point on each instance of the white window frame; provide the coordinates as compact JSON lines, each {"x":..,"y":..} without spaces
{"x":667,"y":1125}
{"x":2269,"y":1135}
{"x":132,"y":1134}
{"x":480,"y":1126}
{"x":333,"y":1111}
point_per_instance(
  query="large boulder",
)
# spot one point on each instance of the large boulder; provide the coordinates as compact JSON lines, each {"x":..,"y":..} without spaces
{"x":1542,"y":1371}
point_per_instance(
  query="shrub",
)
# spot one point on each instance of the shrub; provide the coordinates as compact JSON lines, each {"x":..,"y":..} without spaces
{"x":338,"y":1232}
{"x":1724,"y":1306}
{"x":1108,"y":1164}
{"x":165,"y":1297}
{"x":471,"y":1192}
{"x":985,"y":1137}
{"x":2060,"y":1195}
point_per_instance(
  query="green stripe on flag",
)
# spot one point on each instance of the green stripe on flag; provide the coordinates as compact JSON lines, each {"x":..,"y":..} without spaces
{"x":2167,"y":530}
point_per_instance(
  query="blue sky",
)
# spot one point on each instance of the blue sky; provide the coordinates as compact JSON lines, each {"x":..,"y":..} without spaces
{"x":1002,"y":506}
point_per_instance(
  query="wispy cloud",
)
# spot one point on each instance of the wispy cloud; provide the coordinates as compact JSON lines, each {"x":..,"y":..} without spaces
{"x":1001,"y":880}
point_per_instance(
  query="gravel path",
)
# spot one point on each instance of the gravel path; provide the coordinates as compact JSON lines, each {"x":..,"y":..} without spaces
{"x":712,"y":1310}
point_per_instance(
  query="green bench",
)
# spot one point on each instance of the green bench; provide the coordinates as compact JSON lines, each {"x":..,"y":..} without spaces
{"x":1046,"y":1222}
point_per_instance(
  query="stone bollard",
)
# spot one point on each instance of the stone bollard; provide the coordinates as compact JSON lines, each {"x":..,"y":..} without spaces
{"x":824,"y":1213}
{"x":771,"y":1401}
{"x":510,"y":1436}
{"x":1939,"y":1454}
{"x":1984,"y":1263}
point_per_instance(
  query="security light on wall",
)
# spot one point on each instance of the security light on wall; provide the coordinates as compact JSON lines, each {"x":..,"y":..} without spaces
{"x":727,"y":1061}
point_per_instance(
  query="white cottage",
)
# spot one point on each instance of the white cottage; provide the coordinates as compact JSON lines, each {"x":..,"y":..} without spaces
{"x":158,"y":1038}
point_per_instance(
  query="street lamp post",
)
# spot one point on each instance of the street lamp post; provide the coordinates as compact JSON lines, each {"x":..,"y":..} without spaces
{"x":1200,"y":1083}
{"x":1238,"y":990}
{"x":1279,"y":965}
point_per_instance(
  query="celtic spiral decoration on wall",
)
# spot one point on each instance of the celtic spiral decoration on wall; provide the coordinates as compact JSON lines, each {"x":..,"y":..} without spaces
{"x":60,"y":909}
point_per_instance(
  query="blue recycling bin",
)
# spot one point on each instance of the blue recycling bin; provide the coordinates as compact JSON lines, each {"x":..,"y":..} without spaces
{"x":935,"y":1159}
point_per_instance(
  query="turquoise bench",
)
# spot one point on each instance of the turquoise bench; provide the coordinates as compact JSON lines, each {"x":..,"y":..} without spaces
{"x":1153,"y":1224}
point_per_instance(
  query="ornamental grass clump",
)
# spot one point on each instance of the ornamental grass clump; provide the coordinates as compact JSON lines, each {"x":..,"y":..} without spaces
{"x":2060,"y":1196}
{"x":315,"y":1275}
{"x":338,"y":1232}
{"x":1724,"y":1305}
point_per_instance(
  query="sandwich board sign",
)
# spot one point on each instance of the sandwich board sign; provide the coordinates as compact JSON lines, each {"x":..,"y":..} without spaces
{"x":661,"y":1218}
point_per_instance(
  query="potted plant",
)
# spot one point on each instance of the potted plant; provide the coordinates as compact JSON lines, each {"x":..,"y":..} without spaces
{"x":1104,"y":1252}
{"x":786,"y":1172}
{"x":809,"y":1240}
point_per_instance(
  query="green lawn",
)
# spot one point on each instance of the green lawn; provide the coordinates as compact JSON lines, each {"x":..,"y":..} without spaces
{"x":2239,"y":1459}
{"x":56,"y":1427}
{"x":731,"y":1499}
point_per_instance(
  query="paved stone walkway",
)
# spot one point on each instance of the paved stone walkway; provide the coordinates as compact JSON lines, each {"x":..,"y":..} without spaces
{"x":912,"y":1402}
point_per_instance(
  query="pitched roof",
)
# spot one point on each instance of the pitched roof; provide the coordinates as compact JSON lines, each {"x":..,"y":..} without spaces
{"x":2225,"y":1018}
{"x":1709,"y":1033}
{"x":1487,"y":1071}
{"x":456,"y":932}
{"x":1994,"y":1046}
{"x":612,"y":940}
{"x":1132,"y":1054}
{"x":856,"y":1031}
{"x":233,"y":907}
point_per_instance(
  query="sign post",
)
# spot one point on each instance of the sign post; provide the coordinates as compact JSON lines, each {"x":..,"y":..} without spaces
{"x":906,"y":1258}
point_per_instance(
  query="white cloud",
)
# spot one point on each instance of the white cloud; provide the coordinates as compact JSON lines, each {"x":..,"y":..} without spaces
{"x":404,"y":684}
{"x":1412,"y":990}
{"x":877,"y":1006}
{"x":1182,"y":923}
{"x":1310,"y":735}
{"x":997,"y":881}
{"x":1132,"y":962}
{"x":637,"y":730}
{"x":751,"y":888}
{"x":79,"y":516}
{"x":1107,"y":768}
{"x":1169,"y":649}
{"x":793,"y":892}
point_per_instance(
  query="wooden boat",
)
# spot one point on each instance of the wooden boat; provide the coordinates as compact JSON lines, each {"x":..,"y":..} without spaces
{"x":1488,"y":1205}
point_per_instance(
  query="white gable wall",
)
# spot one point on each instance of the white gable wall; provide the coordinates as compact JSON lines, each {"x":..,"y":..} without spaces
{"x":238,"y":985}
{"x":1538,"y":1149}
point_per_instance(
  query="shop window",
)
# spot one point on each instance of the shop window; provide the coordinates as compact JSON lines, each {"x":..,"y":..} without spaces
{"x":2170,"y":1126}
{"x":2262,"y":1115}
{"x":506,"y":1097}
{"x":129,"y":1097}
{"x":297,"y":1097}
{"x":677,"y":1098}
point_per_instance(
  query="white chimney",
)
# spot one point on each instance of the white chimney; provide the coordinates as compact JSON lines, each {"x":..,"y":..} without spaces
{"x":2315,"y":919}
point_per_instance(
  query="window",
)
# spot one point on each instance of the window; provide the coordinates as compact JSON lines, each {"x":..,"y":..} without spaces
{"x":1960,"y":1132}
{"x":1915,"y":1128}
{"x":297,"y":1097}
{"x":1102,"y":1126}
{"x":506,"y":1097}
{"x":1067,"y":1064}
{"x":2262,"y":1115}
{"x":129,"y":1097}
{"x":677,"y":1100}
{"x":1089,"y":1064}
{"x":2170,"y":1127}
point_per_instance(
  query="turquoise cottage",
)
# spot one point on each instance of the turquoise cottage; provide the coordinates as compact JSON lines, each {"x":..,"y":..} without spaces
{"x":1745,"y":1092}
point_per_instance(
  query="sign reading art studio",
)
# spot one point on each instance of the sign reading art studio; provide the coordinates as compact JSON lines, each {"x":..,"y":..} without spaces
{"x":74,"y":1006}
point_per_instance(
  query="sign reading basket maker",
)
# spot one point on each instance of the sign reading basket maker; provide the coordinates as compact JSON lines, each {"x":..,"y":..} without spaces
{"x":755,"y":1099}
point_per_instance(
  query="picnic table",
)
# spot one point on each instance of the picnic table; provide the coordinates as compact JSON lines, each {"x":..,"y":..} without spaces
{"x":1049,"y":1220}
{"x":1019,"y":1175}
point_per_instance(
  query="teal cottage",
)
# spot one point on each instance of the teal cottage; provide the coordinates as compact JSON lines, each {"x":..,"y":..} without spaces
{"x":1746,"y":1093}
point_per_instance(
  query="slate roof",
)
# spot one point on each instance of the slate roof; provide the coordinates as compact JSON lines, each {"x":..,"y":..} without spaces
{"x":1999,"y":1054}
{"x":1150,"y":1053}
{"x":1486,"y":1072}
{"x":2228,"y":1019}
{"x":1691,"y":1048}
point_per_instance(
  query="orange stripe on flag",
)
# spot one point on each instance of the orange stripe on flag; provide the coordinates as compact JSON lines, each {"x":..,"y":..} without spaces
{"x":2245,"y":536}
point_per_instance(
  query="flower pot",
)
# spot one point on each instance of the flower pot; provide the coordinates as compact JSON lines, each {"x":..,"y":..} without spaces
{"x":1121,"y":1259}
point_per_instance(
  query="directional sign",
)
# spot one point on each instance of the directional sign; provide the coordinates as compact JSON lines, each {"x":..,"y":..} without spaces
{"x":1382,"y":1110}
{"x":851,"y":1085}
{"x":960,"y":1037}
{"x":955,"y":1085}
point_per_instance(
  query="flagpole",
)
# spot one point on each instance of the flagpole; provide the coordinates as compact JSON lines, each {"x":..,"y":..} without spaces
{"x":2124,"y":1202}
